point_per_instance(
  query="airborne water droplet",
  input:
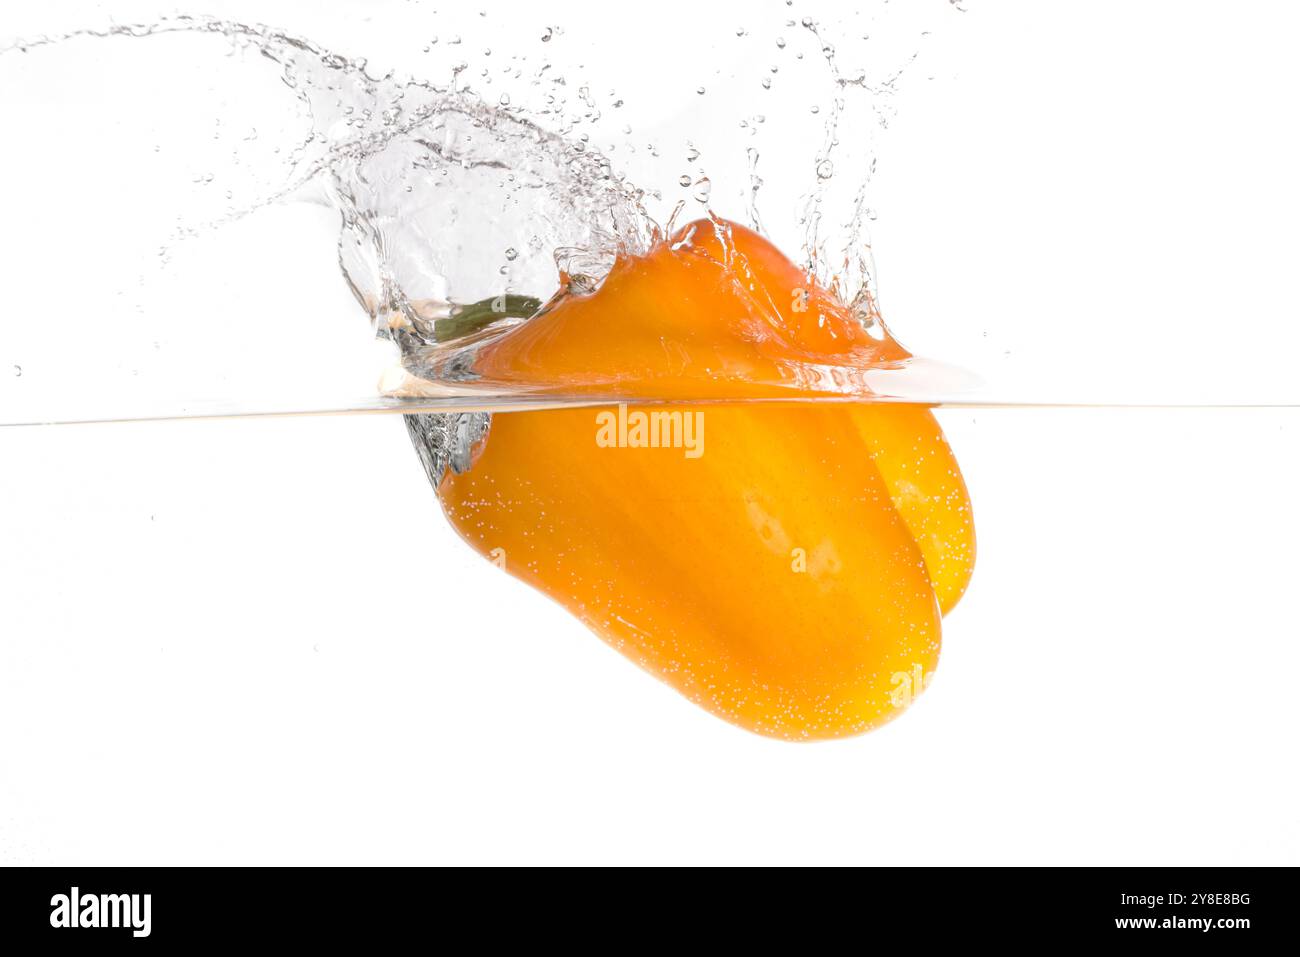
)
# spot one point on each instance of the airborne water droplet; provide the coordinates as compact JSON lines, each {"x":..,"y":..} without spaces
{"x":512,"y":254}
{"x":825,"y":169}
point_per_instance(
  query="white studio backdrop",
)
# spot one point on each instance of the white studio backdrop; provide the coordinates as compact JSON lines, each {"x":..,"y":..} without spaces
{"x":259,"y":642}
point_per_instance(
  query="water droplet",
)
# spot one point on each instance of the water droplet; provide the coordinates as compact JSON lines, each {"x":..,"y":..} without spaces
{"x":703,"y":189}
{"x":767,"y":83}
{"x":825,"y":169}
{"x":504,"y":99}
{"x":816,"y":108}
{"x":512,"y":254}
{"x":18,"y":372}
{"x":684,"y":180}
{"x":699,"y":90}
{"x":546,"y":37}
{"x":780,"y":43}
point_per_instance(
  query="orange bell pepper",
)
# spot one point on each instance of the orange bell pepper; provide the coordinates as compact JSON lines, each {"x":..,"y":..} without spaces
{"x":784,"y":565}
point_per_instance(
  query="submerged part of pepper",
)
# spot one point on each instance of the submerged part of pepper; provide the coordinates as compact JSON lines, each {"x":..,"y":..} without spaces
{"x":783,"y":565}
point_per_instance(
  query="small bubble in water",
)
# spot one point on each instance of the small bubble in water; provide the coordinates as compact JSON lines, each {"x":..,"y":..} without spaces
{"x":825,"y":169}
{"x":512,"y":254}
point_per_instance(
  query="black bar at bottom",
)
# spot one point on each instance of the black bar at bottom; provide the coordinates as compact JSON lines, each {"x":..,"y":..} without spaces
{"x":108,"y":907}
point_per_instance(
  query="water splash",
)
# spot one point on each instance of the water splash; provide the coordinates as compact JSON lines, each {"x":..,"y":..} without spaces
{"x":459,"y":216}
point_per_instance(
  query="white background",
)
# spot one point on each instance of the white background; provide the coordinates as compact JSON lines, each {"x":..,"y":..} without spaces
{"x":234,"y":642}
